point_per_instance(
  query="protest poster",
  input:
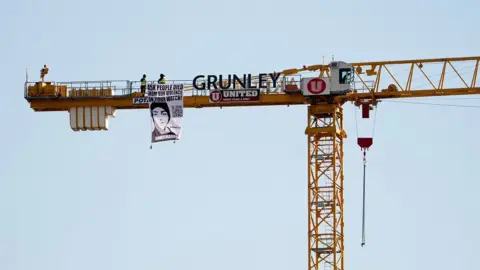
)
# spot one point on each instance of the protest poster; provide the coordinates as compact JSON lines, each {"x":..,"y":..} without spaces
{"x":165,"y":102}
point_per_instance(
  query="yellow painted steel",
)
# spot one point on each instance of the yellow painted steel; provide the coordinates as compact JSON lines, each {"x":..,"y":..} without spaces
{"x":189,"y":102}
{"x":373,"y":84}
{"x":374,"y":81}
{"x":325,"y":187}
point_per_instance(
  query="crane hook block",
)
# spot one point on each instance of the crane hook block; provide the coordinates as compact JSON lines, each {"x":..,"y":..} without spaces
{"x":365,"y":143}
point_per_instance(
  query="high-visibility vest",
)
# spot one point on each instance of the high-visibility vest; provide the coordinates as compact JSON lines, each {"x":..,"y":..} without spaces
{"x":164,"y":80}
{"x":143,"y":82}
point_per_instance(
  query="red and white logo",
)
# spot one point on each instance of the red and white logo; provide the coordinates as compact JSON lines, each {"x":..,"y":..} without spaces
{"x":215,"y":96}
{"x":316,"y":86}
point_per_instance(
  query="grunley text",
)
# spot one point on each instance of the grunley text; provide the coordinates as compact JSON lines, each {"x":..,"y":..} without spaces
{"x":233,"y":80}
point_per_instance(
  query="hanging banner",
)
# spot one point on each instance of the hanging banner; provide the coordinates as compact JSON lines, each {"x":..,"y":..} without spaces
{"x":166,"y":110}
{"x":224,"y":96}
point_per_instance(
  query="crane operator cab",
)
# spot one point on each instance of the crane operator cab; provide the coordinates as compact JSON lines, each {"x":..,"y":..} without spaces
{"x":339,"y":83}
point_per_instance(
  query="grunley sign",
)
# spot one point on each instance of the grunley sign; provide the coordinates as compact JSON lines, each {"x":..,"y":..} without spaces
{"x":231,"y":81}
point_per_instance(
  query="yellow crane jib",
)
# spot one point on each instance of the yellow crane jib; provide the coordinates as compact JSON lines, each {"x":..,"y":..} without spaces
{"x":322,"y":88}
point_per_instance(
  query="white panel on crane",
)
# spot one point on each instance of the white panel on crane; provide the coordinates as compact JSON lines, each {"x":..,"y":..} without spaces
{"x":315,"y":86}
{"x":95,"y":121}
{"x":73,"y":119}
{"x":88,"y":118}
{"x":102,"y":117}
{"x":80,"y":118}
{"x":111,"y":111}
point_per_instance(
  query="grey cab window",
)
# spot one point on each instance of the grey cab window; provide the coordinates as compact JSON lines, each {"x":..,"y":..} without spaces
{"x":345,"y":75}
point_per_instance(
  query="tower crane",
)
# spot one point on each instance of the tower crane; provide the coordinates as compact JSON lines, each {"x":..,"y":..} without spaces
{"x":91,"y":103}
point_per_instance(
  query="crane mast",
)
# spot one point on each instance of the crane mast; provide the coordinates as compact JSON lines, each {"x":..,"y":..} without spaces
{"x":325,"y":186}
{"x":91,"y":103}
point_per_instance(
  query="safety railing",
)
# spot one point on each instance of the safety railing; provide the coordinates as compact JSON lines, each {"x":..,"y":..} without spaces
{"x":361,"y":86}
{"x":119,"y":88}
{"x":124,"y":88}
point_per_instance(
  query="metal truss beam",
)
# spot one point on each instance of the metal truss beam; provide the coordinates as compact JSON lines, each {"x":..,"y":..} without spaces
{"x":325,"y":187}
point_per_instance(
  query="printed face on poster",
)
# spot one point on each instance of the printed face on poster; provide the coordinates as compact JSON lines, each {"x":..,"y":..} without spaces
{"x":166,"y":111}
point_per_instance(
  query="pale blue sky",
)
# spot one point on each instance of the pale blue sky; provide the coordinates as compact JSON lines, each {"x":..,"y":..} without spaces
{"x":232,"y":193}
